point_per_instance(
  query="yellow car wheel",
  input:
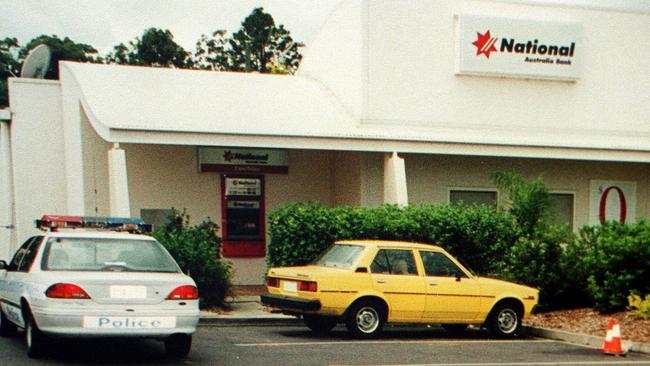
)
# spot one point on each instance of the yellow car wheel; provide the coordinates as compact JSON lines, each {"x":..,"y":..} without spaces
{"x":505,"y":321}
{"x":366,"y":318}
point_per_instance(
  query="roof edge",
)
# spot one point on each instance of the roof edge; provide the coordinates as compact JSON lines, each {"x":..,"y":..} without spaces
{"x":102,"y":130}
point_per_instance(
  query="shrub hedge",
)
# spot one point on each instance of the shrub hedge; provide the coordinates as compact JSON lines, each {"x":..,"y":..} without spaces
{"x":615,"y":260}
{"x":479,"y":235}
{"x":196,"y":249}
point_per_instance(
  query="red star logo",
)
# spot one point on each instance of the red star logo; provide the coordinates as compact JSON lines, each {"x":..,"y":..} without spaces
{"x":228,"y":155}
{"x":485,"y":44}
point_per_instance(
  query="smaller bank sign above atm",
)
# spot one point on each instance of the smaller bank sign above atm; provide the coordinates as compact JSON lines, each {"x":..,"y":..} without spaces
{"x":506,"y":47}
{"x":229,"y":160}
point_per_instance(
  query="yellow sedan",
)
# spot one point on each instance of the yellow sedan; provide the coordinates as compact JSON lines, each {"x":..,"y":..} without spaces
{"x":368,"y":283}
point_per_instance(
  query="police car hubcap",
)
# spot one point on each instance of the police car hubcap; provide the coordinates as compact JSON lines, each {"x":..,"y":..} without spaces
{"x":28,"y":334}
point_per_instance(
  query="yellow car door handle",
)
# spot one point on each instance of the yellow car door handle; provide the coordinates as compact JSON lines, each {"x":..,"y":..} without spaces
{"x":381,"y":281}
{"x":433,"y":283}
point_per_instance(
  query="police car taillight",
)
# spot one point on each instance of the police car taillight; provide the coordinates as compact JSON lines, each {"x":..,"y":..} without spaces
{"x":185,"y":292}
{"x":66,"y":291}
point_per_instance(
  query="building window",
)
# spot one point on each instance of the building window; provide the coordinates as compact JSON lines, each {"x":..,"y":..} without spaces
{"x":155,"y":216}
{"x":561,"y":210}
{"x":473,"y":197}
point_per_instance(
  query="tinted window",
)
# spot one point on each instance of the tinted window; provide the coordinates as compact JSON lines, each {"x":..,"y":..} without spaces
{"x":394,"y":261}
{"x":20,"y":253}
{"x":30,"y":253}
{"x":93,"y":254}
{"x":340,"y":256}
{"x":437,"y":264}
{"x":473,"y":197}
{"x":561,"y":210}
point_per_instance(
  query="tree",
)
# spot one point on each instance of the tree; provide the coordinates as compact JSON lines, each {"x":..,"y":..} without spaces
{"x":61,"y":49}
{"x":529,"y":201}
{"x":156,"y":47}
{"x":259,"y":45}
{"x":9,"y":66}
{"x":211,"y":52}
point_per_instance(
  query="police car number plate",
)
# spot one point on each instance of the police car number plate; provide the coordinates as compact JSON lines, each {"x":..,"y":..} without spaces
{"x":129,"y":322}
{"x":128,"y":292}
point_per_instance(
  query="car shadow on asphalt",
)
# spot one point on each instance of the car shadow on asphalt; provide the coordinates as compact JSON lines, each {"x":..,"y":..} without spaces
{"x":396,"y":332}
{"x":105,"y":351}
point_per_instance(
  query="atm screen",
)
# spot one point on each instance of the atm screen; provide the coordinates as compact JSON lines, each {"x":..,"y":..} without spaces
{"x":243,"y":220}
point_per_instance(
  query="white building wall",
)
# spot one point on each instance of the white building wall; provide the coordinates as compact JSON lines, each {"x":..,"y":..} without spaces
{"x":95,"y":170}
{"x":37,"y":153}
{"x":71,"y":110}
{"x":411,"y":80}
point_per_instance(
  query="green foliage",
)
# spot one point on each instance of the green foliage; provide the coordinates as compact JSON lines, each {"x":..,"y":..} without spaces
{"x":197,"y":251}
{"x":479,"y":235}
{"x":529,"y":201}
{"x":156,"y":47}
{"x":11,"y":57}
{"x":640,"y":306}
{"x":615,"y":261}
{"x":9,"y":66}
{"x":541,"y":262}
{"x":61,"y":49}
{"x":259,"y":45}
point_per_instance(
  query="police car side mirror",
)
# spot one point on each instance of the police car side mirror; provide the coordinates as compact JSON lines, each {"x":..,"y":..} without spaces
{"x":3,"y":265}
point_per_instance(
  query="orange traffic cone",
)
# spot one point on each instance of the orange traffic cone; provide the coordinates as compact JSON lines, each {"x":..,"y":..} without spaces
{"x":613,"y":345}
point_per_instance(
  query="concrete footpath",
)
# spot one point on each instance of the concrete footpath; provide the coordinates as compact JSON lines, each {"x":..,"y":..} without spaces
{"x":247,"y":310}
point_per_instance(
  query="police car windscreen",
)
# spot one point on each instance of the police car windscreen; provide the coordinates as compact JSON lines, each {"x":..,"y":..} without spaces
{"x":114,"y":255}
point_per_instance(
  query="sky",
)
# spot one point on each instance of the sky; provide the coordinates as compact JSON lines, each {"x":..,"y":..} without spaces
{"x":106,"y":23}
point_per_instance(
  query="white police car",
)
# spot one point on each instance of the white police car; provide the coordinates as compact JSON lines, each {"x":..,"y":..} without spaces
{"x":81,"y":279}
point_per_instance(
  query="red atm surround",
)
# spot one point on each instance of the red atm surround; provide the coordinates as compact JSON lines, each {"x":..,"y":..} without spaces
{"x":243,"y":215}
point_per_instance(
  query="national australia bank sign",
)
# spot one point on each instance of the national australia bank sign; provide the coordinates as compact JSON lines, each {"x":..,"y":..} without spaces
{"x":534,"y":49}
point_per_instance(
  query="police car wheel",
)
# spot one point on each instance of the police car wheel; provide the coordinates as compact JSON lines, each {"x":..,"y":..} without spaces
{"x":34,"y":339}
{"x":178,"y":345}
{"x":7,"y":328}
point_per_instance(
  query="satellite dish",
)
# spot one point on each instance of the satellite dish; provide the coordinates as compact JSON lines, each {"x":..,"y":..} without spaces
{"x":36,"y":63}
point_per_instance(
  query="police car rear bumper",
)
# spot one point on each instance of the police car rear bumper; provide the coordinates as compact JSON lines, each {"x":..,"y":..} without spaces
{"x":149,"y":324}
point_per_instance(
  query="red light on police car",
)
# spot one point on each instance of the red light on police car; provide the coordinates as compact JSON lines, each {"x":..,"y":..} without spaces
{"x":185,"y":292}
{"x":66,"y":291}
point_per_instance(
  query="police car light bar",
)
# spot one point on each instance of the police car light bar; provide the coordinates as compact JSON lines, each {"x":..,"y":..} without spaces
{"x":55,"y":222}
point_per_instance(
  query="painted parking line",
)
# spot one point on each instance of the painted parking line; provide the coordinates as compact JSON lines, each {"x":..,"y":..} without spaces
{"x":322,"y":343}
{"x":585,"y":363}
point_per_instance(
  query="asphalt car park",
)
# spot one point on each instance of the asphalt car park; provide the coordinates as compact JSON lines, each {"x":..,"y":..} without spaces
{"x":275,"y":344}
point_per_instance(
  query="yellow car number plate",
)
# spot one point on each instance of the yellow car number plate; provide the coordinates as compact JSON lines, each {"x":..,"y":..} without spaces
{"x":290,"y":286}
